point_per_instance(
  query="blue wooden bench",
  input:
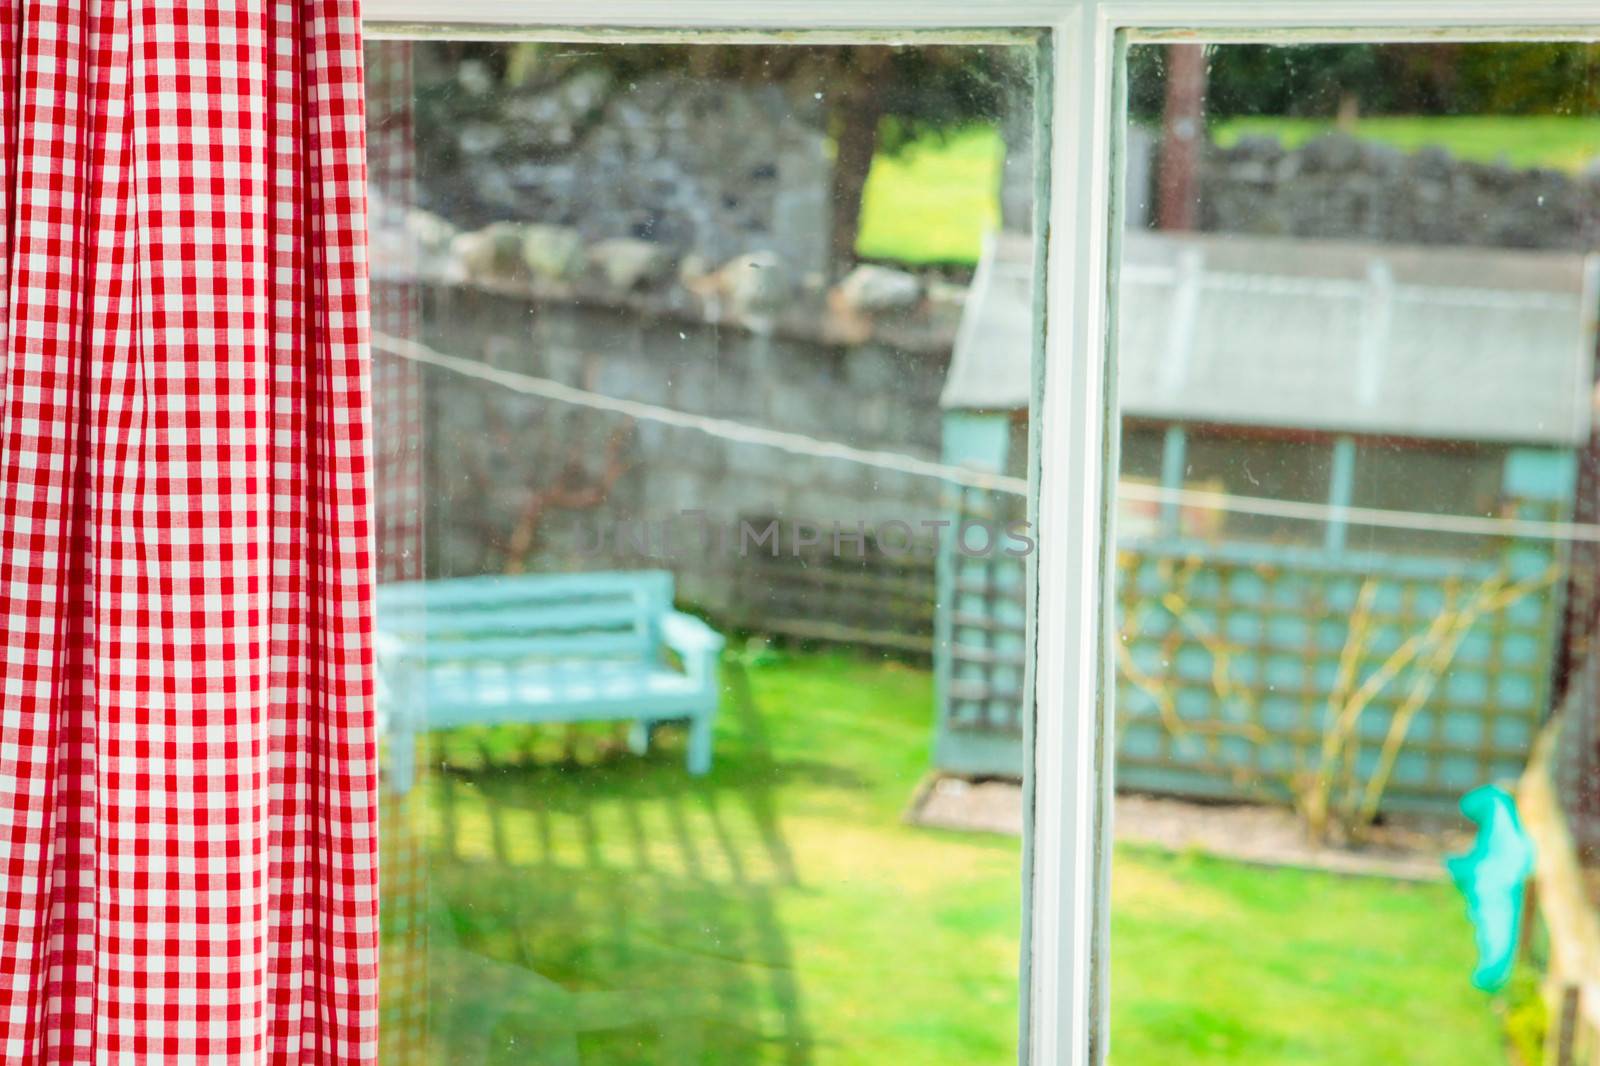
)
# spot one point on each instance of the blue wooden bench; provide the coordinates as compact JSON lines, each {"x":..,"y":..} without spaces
{"x":541,"y":648}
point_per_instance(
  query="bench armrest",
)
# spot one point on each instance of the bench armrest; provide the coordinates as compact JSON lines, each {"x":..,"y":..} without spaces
{"x":696,"y":642}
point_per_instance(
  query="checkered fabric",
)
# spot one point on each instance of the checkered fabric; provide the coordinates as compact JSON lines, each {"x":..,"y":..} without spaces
{"x":397,"y":431}
{"x":188,"y":785}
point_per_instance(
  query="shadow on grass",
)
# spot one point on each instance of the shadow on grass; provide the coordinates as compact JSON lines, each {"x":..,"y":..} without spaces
{"x":613,"y":912}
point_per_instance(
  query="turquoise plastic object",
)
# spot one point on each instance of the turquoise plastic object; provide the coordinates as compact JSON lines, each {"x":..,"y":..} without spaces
{"x":1492,"y":877}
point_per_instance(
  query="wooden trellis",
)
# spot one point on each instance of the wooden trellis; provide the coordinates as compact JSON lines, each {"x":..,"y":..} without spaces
{"x":1337,"y":681}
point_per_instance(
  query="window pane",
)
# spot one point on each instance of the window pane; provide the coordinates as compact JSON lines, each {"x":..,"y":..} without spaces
{"x":1462,"y":479}
{"x":1142,"y":449}
{"x":1140,"y":513}
{"x":1247,"y":466}
{"x":702,"y":628}
{"x":1358,"y":284}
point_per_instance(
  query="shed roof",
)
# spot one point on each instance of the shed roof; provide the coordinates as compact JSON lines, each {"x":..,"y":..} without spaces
{"x":1456,"y":343}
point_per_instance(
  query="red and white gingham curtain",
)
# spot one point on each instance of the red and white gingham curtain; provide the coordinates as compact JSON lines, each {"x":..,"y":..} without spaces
{"x":187,"y":767}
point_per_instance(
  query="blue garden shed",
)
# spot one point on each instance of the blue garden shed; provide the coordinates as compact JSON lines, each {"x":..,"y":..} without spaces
{"x":1323,"y":590}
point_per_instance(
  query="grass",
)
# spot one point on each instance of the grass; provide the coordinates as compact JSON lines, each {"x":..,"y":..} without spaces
{"x":1558,"y":142}
{"x":1218,"y":962}
{"x":934,"y":202}
{"x":780,"y":911}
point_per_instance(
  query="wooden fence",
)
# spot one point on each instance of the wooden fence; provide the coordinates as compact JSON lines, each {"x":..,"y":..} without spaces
{"x":1561,"y":905}
{"x":877,"y":599}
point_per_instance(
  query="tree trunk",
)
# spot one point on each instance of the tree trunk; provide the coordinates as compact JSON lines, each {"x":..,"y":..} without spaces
{"x":1349,"y":111}
{"x":859,"y":114}
{"x":1182,"y":135}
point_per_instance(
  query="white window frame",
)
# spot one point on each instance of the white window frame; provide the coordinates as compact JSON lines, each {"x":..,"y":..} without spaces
{"x":1067,"y":854}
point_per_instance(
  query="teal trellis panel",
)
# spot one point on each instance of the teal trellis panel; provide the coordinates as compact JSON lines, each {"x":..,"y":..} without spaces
{"x":1234,"y":658}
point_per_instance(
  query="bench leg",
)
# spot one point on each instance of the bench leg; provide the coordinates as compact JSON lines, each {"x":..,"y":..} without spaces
{"x":639,"y":737}
{"x":700,"y":744}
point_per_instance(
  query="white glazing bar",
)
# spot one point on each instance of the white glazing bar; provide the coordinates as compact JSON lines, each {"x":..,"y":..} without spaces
{"x":1393,"y":21}
{"x":780,"y":15}
{"x":1071,"y":761}
{"x":1286,"y":20}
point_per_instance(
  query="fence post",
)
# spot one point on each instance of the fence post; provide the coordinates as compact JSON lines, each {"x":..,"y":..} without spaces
{"x":1528,"y":920}
{"x":1558,"y":1051}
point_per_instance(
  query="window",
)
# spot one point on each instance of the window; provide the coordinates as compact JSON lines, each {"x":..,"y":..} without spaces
{"x":1240,"y":464}
{"x":707,"y":565}
{"x":1076,"y":682}
{"x":1426,"y":479}
{"x":1376,"y":344}
{"x":1144,"y":450}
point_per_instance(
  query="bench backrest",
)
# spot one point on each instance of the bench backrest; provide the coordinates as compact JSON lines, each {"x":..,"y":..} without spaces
{"x":608,"y":615}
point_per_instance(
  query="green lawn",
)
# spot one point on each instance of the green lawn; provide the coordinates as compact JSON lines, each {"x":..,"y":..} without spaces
{"x":1560,"y":142}
{"x":933,"y":201}
{"x":780,"y":911}
{"x":936,"y":200}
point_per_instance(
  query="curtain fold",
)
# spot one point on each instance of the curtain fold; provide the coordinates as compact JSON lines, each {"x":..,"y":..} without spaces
{"x":187,"y":765}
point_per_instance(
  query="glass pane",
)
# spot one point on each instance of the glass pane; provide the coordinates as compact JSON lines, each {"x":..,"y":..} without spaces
{"x":1142,"y":449}
{"x":1243,"y":465}
{"x":1358,"y":291}
{"x":1446,"y":478}
{"x":703,"y":406}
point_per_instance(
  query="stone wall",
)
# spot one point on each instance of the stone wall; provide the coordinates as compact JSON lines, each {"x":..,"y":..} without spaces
{"x":516,"y":482}
{"x":759,"y":292}
{"x":1339,"y":187}
{"x":706,"y":169}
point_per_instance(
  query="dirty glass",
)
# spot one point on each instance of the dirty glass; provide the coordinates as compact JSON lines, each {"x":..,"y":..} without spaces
{"x":1357,"y":286}
{"x":702,"y":410}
